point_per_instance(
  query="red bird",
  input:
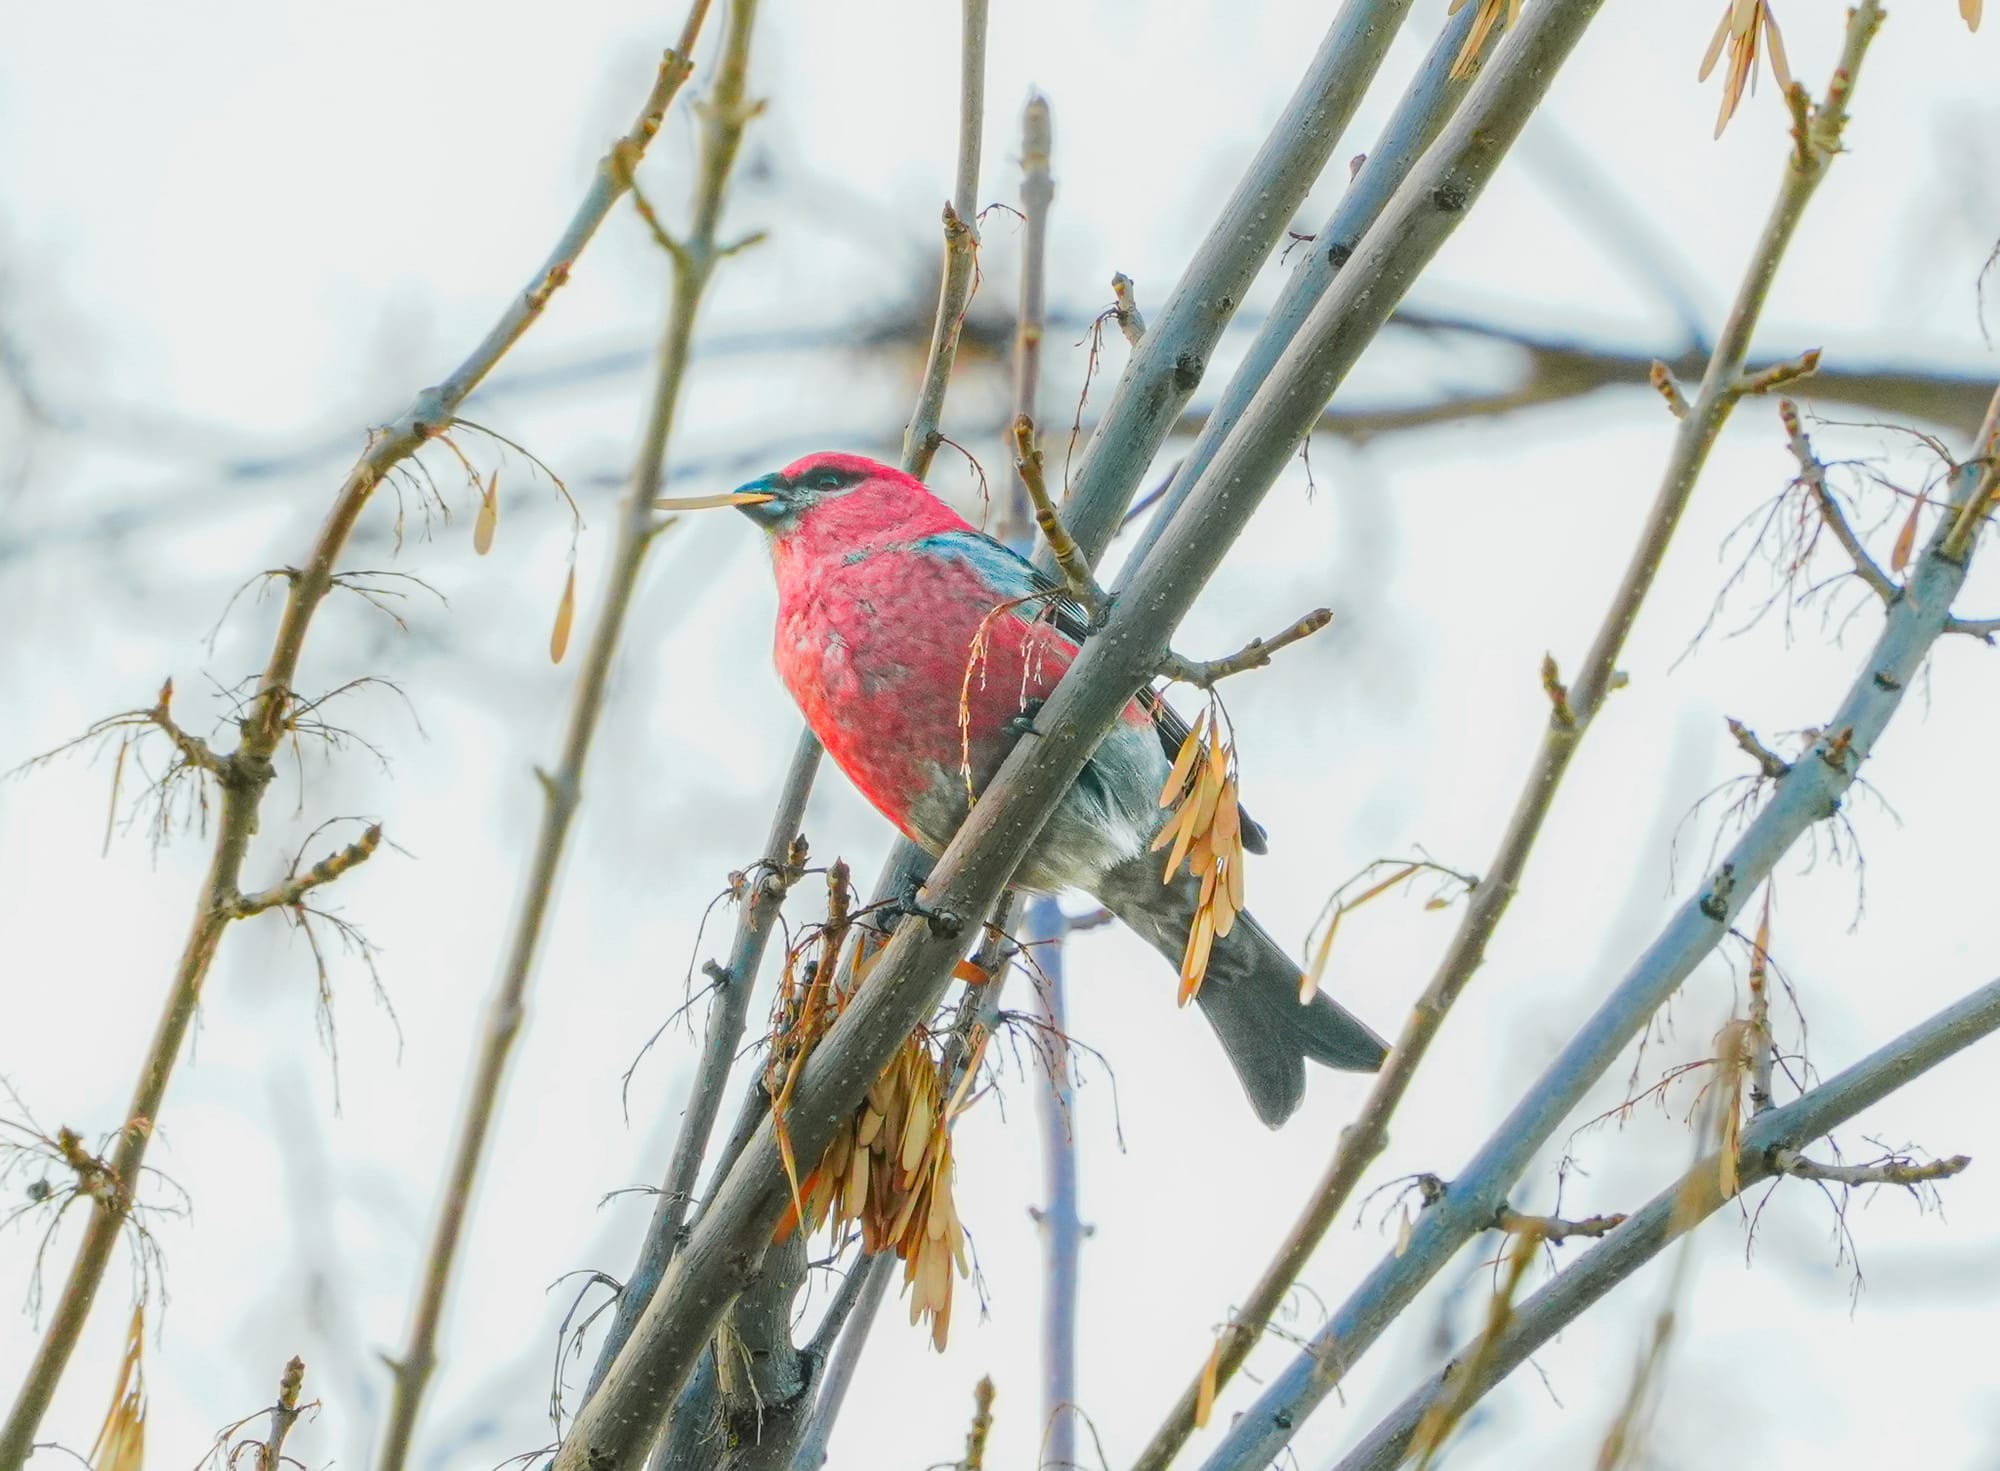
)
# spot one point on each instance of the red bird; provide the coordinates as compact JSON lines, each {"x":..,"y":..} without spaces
{"x":886,"y":596}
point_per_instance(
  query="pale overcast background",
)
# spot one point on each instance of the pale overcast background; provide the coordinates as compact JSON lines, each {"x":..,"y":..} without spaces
{"x":233,"y":235}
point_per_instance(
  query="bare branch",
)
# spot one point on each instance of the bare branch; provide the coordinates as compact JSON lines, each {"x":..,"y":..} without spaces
{"x":1681,"y":1207}
{"x":961,"y":250}
{"x":264,"y":727}
{"x":1893,"y":1170}
{"x":1126,"y":309}
{"x":913,"y":973}
{"x":1259,"y":1434}
{"x":1206,"y":674}
{"x":1070,"y":558}
{"x":723,"y":119}
{"x":1768,"y":761}
{"x":1812,"y":475}
{"x":299,"y":885}
{"x":1553,"y":1229}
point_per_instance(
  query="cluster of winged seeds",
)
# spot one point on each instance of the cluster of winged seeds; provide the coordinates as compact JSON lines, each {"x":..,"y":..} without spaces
{"x":888,"y":1169}
{"x":1206,"y":831}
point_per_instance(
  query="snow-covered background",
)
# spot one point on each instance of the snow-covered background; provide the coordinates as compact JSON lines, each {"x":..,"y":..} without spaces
{"x":231,"y":237}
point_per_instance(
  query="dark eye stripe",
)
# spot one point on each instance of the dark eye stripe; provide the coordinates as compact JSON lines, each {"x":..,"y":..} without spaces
{"x":830,"y":479}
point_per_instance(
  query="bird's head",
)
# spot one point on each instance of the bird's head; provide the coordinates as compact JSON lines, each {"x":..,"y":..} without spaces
{"x":843,"y":498}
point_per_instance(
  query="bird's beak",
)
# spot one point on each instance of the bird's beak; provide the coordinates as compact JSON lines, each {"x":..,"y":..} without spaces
{"x":753,"y":494}
{"x":761,"y":500}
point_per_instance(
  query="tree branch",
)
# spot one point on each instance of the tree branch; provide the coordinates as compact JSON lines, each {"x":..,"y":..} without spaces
{"x":727,"y":111}
{"x":1808,"y":793}
{"x":842,"y":1355}
{"x":298,"y":886}
{"x":1553,"y":1229}
{"x":1206,"y":674}
{"x":263,"y":729}
{"x":722,"y":1038}
{"x":1681,"y":1207}
{"x":1174,"y":351}
{"x":913,"y":972}
{"x":921,"y":436}
{"x":921,"y":439}
{"x":1812,"y":474}
{"x":1895,"y":1170}
{"x":1070,"y":558}
{"x":1420,"y":116}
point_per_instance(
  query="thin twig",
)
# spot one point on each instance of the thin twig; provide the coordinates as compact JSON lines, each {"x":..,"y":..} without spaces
{"x":961,"y":249}
{"x":325,"y":871}
{"x":264,"y":727}
{"x":1812,"y":475}
{"x":1553,"y":1229}
{"x":1769,"y":762}
{"x":1896,"y":1170}
{"x":723,"y":119}
{"x":843,"y":1357}
{"x":1060,"y":1224}
{"x":1013,"y":525}
{"x":981,"y":1427}
{"x":1957,"y":542}
{"x":1070,"y":558}
{"x":285,"y":1414}
{"x":1126,"y":309}
{"x":1206,"y":674}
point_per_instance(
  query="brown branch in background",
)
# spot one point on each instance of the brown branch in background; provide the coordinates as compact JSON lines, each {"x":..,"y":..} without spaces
{"x":1721,"y":386}
{"x":1206,"y":674}
{"x":1070,"y":559}
{"x":1556,"y":371}
{"x":723,"y":118}
{"x":264,"y":727}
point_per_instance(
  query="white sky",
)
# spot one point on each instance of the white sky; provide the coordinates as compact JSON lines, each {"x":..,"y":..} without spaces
{"x":230,"y":231}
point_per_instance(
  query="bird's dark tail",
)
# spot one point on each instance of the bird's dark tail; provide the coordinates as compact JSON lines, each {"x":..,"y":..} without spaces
{"x":1251,"y":994}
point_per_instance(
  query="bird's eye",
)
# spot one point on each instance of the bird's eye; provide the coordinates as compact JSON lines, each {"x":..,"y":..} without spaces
{"x":829,"y":480}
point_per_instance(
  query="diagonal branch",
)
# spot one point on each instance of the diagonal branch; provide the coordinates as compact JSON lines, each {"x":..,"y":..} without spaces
{"x":263,"y":728}
{"x":1682,"y":1206}
{"x":1575,"y":706}
{"x":727,"y":1242}
{"x":726,"y":113}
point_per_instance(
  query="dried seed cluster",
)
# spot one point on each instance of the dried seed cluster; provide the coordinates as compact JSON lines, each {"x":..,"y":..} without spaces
{"x":888,"y":1168}
{"x":1206,"y":830}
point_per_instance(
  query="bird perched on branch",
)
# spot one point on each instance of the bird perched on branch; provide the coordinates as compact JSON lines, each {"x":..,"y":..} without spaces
{"x":918,"y":649}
